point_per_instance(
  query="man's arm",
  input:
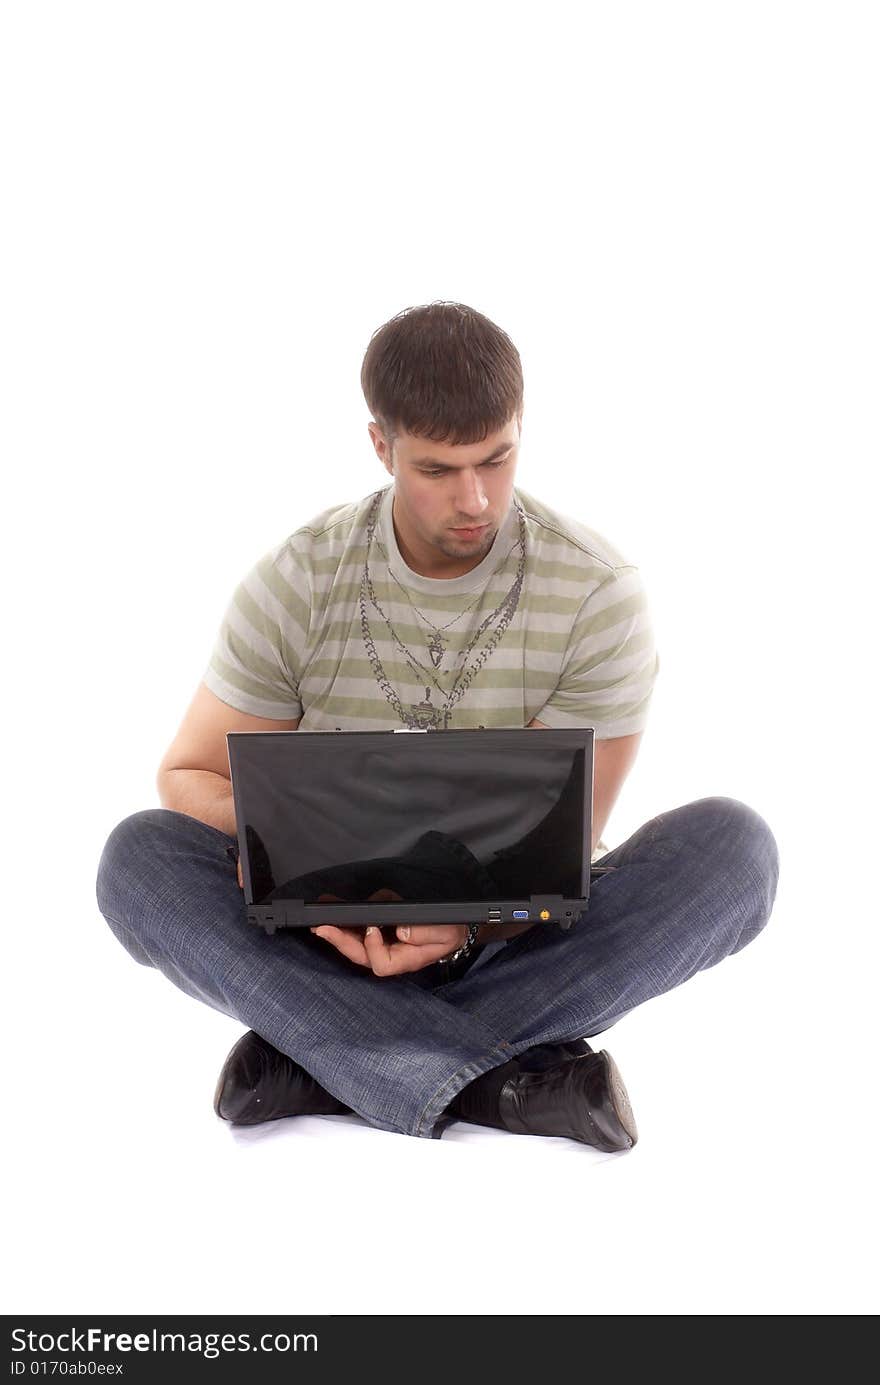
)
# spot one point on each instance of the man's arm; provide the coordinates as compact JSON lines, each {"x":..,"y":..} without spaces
{"x":193,"y":777}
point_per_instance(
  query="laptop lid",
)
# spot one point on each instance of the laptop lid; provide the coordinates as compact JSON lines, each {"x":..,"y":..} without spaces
{"x":388,"y":827}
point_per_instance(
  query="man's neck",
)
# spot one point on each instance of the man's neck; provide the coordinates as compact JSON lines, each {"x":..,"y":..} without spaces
{"x":442,"y":568}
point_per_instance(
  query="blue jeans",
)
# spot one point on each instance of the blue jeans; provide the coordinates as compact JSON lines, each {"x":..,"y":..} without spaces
{"x":687,"y":889}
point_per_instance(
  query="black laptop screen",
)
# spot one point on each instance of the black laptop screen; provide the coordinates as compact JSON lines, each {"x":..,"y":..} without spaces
{"x":446,"y":816}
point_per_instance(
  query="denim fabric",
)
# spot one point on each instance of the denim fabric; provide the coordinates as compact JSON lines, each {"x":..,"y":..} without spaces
{"x":687,"y":889}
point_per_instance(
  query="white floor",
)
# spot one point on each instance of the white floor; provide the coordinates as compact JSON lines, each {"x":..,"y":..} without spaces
{"x":751,"y":1190}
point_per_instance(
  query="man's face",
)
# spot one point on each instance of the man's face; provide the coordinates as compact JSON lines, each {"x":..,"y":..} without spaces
{"x":449,"y":500}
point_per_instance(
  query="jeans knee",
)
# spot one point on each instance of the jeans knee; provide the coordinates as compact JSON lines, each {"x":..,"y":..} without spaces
{"x":742,"y":839}
{"x":734,"y":825}
{"x":127,"y":844}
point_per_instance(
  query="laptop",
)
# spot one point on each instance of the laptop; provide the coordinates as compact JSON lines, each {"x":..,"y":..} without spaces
{"x":486,"y":825}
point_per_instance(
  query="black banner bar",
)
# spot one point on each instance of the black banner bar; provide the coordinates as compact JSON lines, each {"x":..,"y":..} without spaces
{"x":135,"y":1348}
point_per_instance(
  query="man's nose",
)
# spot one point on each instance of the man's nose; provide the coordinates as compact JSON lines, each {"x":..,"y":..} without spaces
{"x":470,"y":497}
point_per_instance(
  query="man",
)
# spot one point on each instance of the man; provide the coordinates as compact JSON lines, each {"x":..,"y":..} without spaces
{"x":448,"y":597}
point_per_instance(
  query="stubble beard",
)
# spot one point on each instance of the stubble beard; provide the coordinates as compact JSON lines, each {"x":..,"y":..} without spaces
{"x":467,"y":548}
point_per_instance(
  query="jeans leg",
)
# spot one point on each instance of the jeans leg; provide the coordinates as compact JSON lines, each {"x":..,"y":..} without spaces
{"x":689,"y":888}
{"x":382,"y":1045}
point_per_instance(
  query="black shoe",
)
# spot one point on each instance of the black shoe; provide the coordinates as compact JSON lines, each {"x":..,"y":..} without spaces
{"x":582,"y":1099}
{"x":259,"y":1084}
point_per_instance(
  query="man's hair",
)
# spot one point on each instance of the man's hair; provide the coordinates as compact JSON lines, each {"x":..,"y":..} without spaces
{"x":442,"y":371}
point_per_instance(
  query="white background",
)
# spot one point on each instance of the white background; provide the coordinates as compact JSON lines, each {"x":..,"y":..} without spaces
{"x":673,"y":211}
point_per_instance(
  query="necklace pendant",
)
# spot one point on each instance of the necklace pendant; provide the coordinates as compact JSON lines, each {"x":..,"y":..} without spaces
{"x":435,"y":649}
{"x":425,"y":715}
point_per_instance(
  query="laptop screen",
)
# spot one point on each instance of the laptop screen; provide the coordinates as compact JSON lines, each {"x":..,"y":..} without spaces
{"x":447,"y":816}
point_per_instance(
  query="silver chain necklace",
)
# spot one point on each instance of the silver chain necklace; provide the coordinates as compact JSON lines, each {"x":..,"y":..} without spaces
{"x":435,"y":644}
{"x":426,"y":715}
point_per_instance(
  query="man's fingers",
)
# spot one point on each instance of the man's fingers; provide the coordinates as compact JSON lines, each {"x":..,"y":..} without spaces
{"x":398,"y":957}
{"x":346,"y":941}
{"x":450,"y":935}
{"x":386,"y":958}
{"x":375,"y":942}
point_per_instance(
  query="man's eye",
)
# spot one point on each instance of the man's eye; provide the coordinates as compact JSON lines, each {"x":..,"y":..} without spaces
{"x":502,"y":462}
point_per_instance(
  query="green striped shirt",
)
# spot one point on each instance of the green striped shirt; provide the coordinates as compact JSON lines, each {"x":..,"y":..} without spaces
{"x":579,"y":649}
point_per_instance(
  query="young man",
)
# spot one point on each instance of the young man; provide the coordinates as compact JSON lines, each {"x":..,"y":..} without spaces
{"x":448,"y":597}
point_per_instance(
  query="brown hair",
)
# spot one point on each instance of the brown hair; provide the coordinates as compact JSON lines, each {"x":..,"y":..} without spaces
{"x":442,"y":371}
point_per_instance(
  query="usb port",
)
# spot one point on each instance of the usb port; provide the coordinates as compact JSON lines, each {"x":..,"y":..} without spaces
{"x":494,"y":915}
{"x":520,"y":913}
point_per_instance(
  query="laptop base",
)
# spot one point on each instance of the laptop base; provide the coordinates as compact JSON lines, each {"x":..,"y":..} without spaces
{"x":295,"y":913}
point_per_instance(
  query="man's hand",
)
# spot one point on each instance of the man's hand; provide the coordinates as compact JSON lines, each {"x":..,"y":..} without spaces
{"x":426,"y":944}
{"x":412,"y":949}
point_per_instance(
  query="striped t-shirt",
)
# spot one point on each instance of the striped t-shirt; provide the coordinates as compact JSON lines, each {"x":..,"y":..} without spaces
{"x":302,"y":635}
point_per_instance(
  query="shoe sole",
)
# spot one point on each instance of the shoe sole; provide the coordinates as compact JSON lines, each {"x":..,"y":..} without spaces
{"x":620,"y":1099}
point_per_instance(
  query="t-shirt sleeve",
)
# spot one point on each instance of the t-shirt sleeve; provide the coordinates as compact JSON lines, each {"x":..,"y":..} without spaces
{"x":611,"y":662}
{"x":256,"y":662}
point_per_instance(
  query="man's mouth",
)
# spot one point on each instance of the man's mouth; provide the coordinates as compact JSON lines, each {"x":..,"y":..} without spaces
{"x":471,"y":532}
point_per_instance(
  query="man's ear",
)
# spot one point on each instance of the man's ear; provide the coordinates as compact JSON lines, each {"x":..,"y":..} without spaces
{"x":383,"y":451}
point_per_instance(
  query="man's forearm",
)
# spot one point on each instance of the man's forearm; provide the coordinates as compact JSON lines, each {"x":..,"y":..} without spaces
{"x":199,"y":793}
